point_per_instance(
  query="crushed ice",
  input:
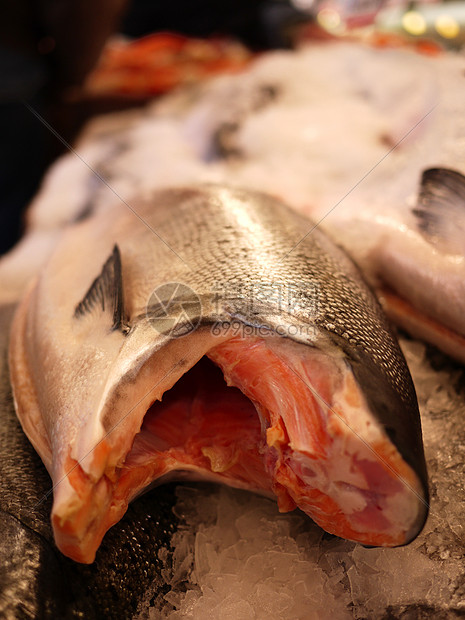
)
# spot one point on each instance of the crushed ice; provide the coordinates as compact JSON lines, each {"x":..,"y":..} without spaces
{"x":245,"y":560}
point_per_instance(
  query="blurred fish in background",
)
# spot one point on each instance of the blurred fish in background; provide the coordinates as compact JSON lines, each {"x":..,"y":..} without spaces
{"x":47,"y":50}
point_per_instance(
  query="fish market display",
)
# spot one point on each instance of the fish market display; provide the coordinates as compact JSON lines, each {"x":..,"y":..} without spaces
{"x":159,"y":62}
{"x":378,"y":163}
{"x":339,"y":432}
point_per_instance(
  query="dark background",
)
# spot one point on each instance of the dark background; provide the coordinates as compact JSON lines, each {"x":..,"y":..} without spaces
{"x":48,"y":46}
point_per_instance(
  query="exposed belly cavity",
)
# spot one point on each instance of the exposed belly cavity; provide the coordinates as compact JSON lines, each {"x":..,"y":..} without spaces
{"x":201,"y":425}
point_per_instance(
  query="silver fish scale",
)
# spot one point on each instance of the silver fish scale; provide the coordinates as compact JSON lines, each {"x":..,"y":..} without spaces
{"x":238,"y":240}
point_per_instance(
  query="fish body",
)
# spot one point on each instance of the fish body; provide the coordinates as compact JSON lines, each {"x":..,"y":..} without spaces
{"x":114,"y":359}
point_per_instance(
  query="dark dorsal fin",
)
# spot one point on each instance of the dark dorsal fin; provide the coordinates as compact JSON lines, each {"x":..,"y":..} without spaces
{"x":106,"y":293}
{"x":441,"y":208}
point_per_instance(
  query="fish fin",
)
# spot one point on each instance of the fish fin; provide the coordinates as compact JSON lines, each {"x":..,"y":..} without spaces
{"x":440,"y":211}
{"x":106,"y":293}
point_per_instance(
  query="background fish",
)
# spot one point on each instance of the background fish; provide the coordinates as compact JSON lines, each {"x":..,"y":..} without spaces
{"x":339,"y":432}
{"x":417,"y":265}
{"x":282,"y":127}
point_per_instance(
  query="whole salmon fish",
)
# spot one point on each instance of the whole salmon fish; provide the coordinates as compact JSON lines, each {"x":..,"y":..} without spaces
{"x":197,"y":334}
